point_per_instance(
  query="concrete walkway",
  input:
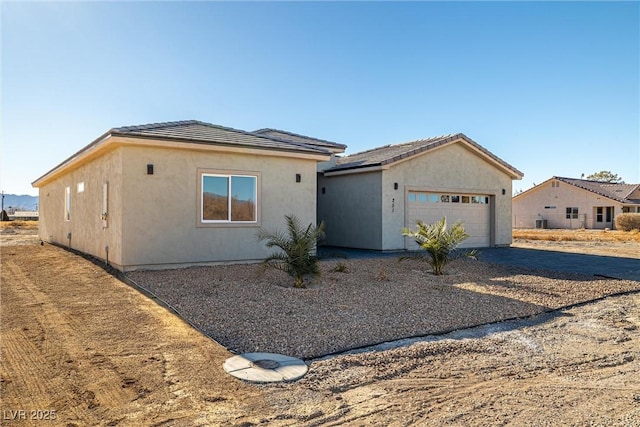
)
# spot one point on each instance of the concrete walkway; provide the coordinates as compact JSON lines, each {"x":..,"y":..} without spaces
{"x":594,"y":265}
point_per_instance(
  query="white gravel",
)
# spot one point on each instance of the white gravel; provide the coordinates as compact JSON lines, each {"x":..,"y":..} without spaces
{"x":376,"y":300}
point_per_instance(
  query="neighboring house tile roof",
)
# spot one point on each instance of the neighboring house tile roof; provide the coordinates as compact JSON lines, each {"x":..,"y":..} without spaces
{"x":389,"y":154}
{"x":617,"y":192}
{"x":207,"y":133}
{"x":301,"y":139}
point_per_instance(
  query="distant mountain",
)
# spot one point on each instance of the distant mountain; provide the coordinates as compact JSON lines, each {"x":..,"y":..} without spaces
{"x":21,"y":202}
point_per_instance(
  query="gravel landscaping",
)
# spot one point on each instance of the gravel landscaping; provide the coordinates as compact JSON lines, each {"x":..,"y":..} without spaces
{"x":375,"y":300}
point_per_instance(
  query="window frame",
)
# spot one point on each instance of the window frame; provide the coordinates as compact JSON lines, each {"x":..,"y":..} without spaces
{"x":229,"y":174}
{"x":67,"y":203}
{"x":572,"y":213}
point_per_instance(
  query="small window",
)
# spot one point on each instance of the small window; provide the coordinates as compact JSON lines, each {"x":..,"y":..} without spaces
{"x":475,"y":199}
{"x":434,"y":198}
{"x":599,"y":216}
{"x":465,"y":199}
{"x":229,"y":198}
{"x":422,"y":198}
{"x":67,"y":204}
{"x":572,"y":213}
{"x":555,"y":184}
{"x":455,"y":199}
{"x":485,"y":200}
{"x":445,"y":198}
{"x":549,"y":207}
{"x":81,"y":187}
{"x":412,"y":197}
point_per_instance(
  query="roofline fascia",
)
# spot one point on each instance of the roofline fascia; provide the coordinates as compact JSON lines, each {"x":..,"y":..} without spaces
{"x":386,"y":164}
{"x":112,"y":140}
{"x":336,"y":145}
{"x":351,"y":171}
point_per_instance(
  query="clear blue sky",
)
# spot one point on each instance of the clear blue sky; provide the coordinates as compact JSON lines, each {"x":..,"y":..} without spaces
{"x":550,"y":87}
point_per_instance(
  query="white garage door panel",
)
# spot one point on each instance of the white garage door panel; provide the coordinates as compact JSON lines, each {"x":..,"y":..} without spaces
{"x":473,"y":210}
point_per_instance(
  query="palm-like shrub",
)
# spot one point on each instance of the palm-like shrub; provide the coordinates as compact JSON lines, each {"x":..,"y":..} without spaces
{"x":298,"y":245}
{"x":440,"y":242}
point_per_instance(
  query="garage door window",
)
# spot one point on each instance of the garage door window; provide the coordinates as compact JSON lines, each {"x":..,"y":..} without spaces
{"x":414,"y":197}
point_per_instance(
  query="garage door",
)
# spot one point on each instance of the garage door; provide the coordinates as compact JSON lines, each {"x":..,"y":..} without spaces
{"x":472,"y":209}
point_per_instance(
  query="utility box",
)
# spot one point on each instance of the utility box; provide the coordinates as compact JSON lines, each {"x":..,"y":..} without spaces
{"x":541,"y":223}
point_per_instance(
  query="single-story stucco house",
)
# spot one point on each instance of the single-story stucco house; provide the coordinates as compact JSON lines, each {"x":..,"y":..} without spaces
{"x":366,"y":199}
{"x":574,"y":203}
{"x":188,"y":193}
{"x":179,"y":193}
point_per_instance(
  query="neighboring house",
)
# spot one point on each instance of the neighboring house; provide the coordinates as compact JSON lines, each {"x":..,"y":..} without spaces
{"x":574,"y":203}
{"x":367,"y":198}
{"x":179,"y":193}
{"x":24,"y":216}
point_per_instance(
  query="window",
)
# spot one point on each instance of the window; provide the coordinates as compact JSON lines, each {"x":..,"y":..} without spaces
{"x":445,"y":198}
{"x":455,"y":199}
{"x":81,"y":187}
{"x":465,"y":199}
{"x":412,"y":197}
{"x":67,"y":204}
{"x":434,"y":198}
{"x":599,"y":215}
{"x":572,"y":213}
{"x":555,"y":184}
{"x":422,"y":198}
{"x":229,"y":198}
{"x":549,"y":207}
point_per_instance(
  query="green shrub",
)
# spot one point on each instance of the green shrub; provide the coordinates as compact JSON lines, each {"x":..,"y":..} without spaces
{"x":439,"y":242}
{"x":628,"y":221}
{"x":298,"y":246}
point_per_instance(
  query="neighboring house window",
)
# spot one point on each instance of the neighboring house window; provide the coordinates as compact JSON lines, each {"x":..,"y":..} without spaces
{"x":81,"y":187}
{"x":229,"y":198}
{"x":572,"y":213}
{"x":549,"y":207}
{"x":599,"y":215}
{"x":67,"y":204}
{"x":555,"y":184}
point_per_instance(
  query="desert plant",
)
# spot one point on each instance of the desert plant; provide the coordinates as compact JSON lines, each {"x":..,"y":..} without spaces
{"x":628,"y":221}
{"x":439,"y":242}
{"x":298,"y":246}
{"x":341,"y":267}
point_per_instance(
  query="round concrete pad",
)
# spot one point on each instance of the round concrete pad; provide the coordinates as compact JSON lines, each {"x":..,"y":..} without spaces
{"x":265,"y":367}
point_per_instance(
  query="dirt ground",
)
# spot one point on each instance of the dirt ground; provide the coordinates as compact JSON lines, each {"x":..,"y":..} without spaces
{"x":79,"y":348}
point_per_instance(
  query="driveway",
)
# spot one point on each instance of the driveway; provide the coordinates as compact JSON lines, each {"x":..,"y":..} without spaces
{"x":606,"y":266}
{"x":594,"y":265}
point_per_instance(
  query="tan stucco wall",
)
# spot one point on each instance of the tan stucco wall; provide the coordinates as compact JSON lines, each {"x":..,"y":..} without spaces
{"x":161,"y":210}
{"x":85,"y":225}
{"x":350,"y":208}
{"x":451,"y":168}
{"x":530,"y":206}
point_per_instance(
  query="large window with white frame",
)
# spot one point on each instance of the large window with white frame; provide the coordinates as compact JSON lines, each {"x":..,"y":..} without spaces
{"x":228,"y":198}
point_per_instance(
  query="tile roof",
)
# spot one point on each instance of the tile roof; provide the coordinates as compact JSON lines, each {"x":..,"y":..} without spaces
{"x":301,"y":139}
{"x":206,"y":133}
{"x":389,"y":154}
{"x":618,"y":192}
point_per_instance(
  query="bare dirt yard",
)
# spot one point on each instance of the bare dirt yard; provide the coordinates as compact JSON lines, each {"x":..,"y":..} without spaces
{"x":80,"y":347}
